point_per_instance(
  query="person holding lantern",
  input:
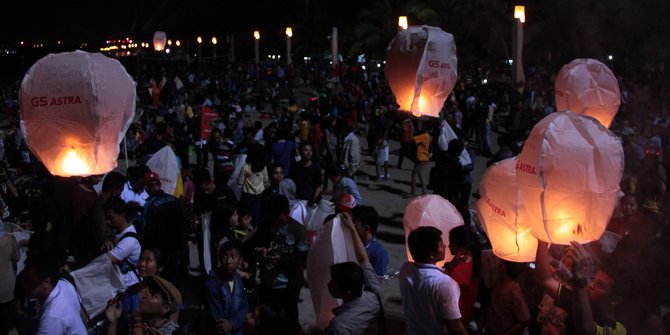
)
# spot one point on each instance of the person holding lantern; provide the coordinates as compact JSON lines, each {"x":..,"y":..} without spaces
{"x":591,"y":300}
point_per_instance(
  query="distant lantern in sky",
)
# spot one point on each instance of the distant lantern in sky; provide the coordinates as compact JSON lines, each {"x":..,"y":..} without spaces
{"x":503,"y":216}
{"x":159,"y":40}
{"x":434,"y":211}
{"x":520,"y":13}
{"x":257,"y":34}
{"x":75,"y":110}
{"x":421,"y":69}
{"x":587,"y":86}
{"x":289,"y":31}
{"x":569,"y":173}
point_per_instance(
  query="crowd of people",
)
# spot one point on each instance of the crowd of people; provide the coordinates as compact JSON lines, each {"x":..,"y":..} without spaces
{"x":301,"y":149}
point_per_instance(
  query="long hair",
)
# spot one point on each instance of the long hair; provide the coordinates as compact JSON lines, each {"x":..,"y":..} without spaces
{"x":255,"y":158}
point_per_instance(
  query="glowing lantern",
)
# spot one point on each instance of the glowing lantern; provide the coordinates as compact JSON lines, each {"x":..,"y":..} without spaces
{"x":520,"y":13}
{"x":569,"y":173}
{"x":502,"y":215}
{"x":257,"y":34}
{"x":434,"y":211}
{"x":75,"y":110}
{"x":159,"y":40}
{"x":289,"y":31}
{"x":421,"y":69}
{"x":402,"y":22}
{"x":587,"y":86}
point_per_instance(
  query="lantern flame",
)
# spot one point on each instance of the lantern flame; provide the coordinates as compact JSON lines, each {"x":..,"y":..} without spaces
{"x":520,"y":13}
{"x":74,"y":165}
{"x":257,"y":34}
{"x":289,"y":31}
{"x":402,"y":22}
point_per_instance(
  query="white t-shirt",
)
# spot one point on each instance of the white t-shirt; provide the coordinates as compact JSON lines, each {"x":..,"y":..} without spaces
{"x":60,"y":312}
{"x":129,"y":195}
{"x":429,"y":298}
{"x":128,"y":248}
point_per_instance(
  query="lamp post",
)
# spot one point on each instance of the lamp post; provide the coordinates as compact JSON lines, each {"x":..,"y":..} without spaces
{"x":199,"y":40}
{"x":517,"y":44}
{"x":214,"y":41}
{"x":289,"y":34}
{"x":402,"y":22}
{"x":333,"y":45}
{"x":257,"y":37}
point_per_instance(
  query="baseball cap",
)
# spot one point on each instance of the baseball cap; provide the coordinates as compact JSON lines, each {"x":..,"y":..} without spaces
{"x":169,"y":292}
{"x":151,"y":178}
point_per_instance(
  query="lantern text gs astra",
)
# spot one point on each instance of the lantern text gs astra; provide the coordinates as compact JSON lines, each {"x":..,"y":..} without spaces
{"x":527,"y":168}
{"x":436,"y":64}
{"x":54,"y":101}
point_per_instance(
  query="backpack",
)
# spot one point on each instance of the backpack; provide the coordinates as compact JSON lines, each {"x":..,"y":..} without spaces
{"x":126,"y":266}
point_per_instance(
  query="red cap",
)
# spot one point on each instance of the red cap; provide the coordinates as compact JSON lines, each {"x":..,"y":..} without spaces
{"x":151,"y":178}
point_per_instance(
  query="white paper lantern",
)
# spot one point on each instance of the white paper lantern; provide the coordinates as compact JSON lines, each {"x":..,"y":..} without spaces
{"x":421,"y":69}
{"x":333,"y":245}
{"x":587,"y":86}
{"x":569,"y":173}
{"x":75,"y":110}
{"x":503,"y":216}
{"x":433,"y":211}
{"x":160,"y":38}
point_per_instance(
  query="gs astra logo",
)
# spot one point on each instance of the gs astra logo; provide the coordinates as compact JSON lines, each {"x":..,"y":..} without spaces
{"x":55,"y":101}
{"x":436,"y":64}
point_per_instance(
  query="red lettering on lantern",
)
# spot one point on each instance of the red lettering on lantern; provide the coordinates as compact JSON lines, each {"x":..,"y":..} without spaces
{"x":495,"y":209}
{"x":39,"y":101}
{"x":59,"y":101}
{"x":436,"y":64}
{"x":527,"y":168}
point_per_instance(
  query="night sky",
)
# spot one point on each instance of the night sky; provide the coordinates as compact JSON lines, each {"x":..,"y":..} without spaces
{"x":75,"y":21}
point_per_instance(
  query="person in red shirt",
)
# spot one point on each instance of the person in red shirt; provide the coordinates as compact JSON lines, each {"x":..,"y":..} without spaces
{"x":464,"y":268}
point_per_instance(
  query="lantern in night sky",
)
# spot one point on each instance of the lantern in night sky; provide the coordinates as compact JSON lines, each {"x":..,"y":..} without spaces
{"x":421,"y":69}
{"x":160,"y":38}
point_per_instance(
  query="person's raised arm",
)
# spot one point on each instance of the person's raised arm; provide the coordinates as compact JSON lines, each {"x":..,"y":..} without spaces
{"x":543,"y":273}
{"x":582,"y":267}
{"x":359,"y":248}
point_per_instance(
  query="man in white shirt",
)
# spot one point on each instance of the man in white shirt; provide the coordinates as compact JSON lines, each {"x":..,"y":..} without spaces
{"x":133,"y":190}
{"x":60,"y":313}
{"x":126,"y":250}
{"x":430,"y":297}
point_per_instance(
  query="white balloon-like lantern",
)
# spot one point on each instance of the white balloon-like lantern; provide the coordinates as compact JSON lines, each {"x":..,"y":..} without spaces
{"x":75,"y":110}
{"x":503,"y":216}
{"x":569,"y":173}
{"x":434,"y":211}
{"x":160,"y":38}
{"x":421,"y":69}
{"x":587,"y":86}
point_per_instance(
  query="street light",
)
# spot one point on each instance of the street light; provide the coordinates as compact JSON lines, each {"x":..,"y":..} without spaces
{"x":214,"y":41}
{"x":402,"y":22}
{"x":199,"y":40}
{"x":517,"y":44}
{"x":257,"y":37}
{"x":289,"y":34}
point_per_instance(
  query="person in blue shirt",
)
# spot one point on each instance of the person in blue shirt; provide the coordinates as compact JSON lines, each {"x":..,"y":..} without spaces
{"x":342,"y":184}
{"x":366,"y":221}
{"x":226,"y":300}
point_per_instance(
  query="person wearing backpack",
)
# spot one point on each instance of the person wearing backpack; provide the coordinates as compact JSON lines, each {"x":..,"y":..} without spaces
{"x":126,"y":250}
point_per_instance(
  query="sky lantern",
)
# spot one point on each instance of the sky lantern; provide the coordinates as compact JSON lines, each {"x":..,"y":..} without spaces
{"x":587,"y":86}
{"x":75,"y":110}
{"x":434,"y":211}
{"x":502,"y":215}
{"x":159,"y":40}
{"x":334,"y":244}
{"x":421,"y":69}
{"x":569,"y":173}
